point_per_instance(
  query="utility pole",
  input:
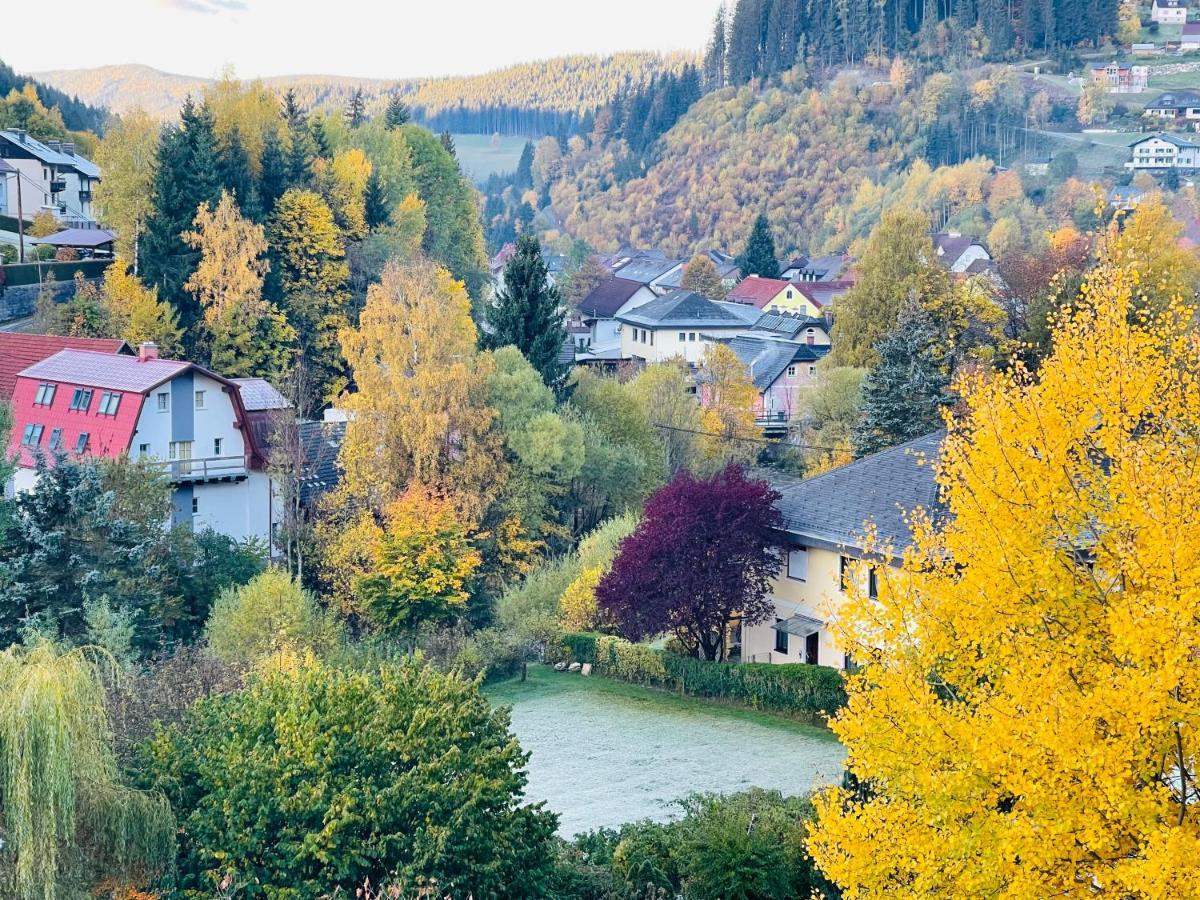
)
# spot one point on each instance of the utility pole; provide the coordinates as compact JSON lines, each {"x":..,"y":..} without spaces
{"x":7,"y":169}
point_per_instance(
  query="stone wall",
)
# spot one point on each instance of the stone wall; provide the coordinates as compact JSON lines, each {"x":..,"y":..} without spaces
{"x":18,"y":301}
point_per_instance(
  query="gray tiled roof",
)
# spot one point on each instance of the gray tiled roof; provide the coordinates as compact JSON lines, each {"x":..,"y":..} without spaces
{"x":1175,"y":100}
{"x":834,"y":509}
{"x":320,"y":444}
{"x":44,"y":153}
{"x":645,"y":270}
{"x":259,"y":394}
{"x":606,"y":298}
{"x":687,"y":309}
{"x":767,"y":358}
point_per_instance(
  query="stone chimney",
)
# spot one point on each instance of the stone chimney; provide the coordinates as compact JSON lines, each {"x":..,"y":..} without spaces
{"x":147,"y":350}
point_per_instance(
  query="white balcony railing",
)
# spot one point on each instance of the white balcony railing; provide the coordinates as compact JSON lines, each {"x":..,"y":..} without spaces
{"x":212,"y":468}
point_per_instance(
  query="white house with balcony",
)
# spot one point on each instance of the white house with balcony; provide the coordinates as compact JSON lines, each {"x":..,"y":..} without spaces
{"x":1159,"y":152}
{"x":188,"y":422}
{"x":52,"y":177}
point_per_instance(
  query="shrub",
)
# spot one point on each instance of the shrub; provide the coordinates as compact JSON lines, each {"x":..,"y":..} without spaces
{"x":629,"y":662}
{"x":581,"y":646}
{"x":314,"y":780}
{"x":270,"y":614}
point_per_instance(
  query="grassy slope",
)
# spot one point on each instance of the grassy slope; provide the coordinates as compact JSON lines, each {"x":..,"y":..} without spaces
{"x":545,"y":682}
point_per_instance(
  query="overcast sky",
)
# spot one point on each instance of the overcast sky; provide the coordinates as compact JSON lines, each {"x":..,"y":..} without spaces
{"x":383,"y":39}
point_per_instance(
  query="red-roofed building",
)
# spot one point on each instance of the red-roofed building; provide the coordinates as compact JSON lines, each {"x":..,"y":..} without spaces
{"x":189,"y":421}
{"x":20,"y":351}
{"x":777,"y":295}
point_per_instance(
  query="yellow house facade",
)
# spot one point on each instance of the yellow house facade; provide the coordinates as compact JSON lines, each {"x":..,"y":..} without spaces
{"x":825,"y":520}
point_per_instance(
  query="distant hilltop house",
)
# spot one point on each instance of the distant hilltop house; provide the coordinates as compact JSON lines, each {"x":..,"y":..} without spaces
{"x":1119,"y":78}
{"x":1175,"y":105}
{"x":1169,"y":12}
{"x":957,"y":252}
{"x":1161,"y":152}
{"x":1125,"y":197}
{"x":52,"y":177}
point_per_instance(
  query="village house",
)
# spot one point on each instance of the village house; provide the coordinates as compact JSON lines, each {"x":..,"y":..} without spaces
{"x":1119,"y":78}
{"x":652,"y":271}
{"x":191,"y":424}
{"x":767,"y":294}
{"x":810,"y":330}
{"x":680,"y":325}
{"x":779,"y":368}
{"x":598,"y":312}
{"x":52,"y":177}
{"x":1176,"y":105}
{"x":956,"y":252}
{"x":1169,"y":12}
{"x":19,"y":351}
{"x":834,"y":267}
{"x":1159,"y":152}
{"x":825,"y":519}
{"x":1189,"y":38}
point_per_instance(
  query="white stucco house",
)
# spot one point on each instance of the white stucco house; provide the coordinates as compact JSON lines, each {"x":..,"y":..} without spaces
{"x":52,"y":177}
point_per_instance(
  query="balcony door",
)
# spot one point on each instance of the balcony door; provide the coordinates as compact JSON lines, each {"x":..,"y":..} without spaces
{"x":180,"y":453}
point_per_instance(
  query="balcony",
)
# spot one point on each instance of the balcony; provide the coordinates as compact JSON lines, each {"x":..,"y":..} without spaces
{"x":85,"y":196}
{"x":57,"y":186}
{"x":208,"y":469}
{"x":774,"y":422}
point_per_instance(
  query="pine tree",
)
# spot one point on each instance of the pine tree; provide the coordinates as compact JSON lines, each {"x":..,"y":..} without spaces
{"x":758,"y":258}
{"x":397,"y":113}
{"x":527,"y":313}
{"x":524,"y":177}
{"x":293,"y":115}
{"x":356,"y":113}
{"x":447,"y":140}
{"x":904,"y":394}
{"x":375,"y":205}
{"x":185,"y":177}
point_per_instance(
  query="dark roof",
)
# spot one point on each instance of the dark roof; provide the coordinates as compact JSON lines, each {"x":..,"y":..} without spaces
{"x":77,"y":237}
{"x":1170,"y":4}
{"x":320,"y":444}
{"x":1169,"y":138}
{"x":607,"y":297}
{"x":61,"y":155}
{"x":787,"y":325}
{"x":950,"y":247}
{"x":1191,"y":28}
{"x":645,"y":269}
{"x":823,"y":293}
{"x":834,"y":508}
{"x":822,"y":268}
{"x":727,"y":268}
{"x":688,"y":309}
{"x":1175,"y":99}
{"x":566,"y":353}
{"x":20,"y":351}
{"x":768,"y":358}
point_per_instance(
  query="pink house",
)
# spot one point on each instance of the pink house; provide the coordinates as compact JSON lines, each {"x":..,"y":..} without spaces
{"x":779,"y":368}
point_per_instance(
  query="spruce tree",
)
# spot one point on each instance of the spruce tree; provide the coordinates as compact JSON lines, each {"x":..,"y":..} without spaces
{"x":320,"y":140}
{"x":447,"y":140}
{"x":376,"y":209}
{"x":235,"y":175}
{"x":356,"y":112}
{"x":527,"y":313}
{"x":397,"y":113}
{"x":292,"y":113}
{"x":185,"y":176}
{"x":524,"y":177}
{"x":758,"y":258}
{"x":904,"y":394}
{"x":715,"y":59}
{"x":274,"y":178}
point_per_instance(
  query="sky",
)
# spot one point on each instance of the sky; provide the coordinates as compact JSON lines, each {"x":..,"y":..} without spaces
{"x":389,"y":39}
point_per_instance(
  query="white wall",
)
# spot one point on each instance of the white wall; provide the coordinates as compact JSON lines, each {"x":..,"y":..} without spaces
{"x":667,"y":344}
{"x":239,"y":509}
{"x":216,"y":420}
{"x":970,"y":255}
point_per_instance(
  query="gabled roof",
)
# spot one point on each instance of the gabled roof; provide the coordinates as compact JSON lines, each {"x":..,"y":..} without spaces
{"x":823,"y":293}
{"x":644,"y":269}
{"x":20,"y":351}
{"x":767,"y":358}
{"x":1177,"y":99}
{"x":833,"y":509}
{"x":687,"y":309}
{"x":1169,"y":138}
{"x":824,"y":268}
{"x":50,"y":156}
{"x":607,"y":298}
{"x":727,"y":267}
{"x":77,"y":237}
{"x":758,"y":291}
{"x":103,"y":370}
{"x":950,"y":246}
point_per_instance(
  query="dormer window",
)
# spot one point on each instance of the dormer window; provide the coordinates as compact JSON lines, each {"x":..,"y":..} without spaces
{"x":45,"y":395}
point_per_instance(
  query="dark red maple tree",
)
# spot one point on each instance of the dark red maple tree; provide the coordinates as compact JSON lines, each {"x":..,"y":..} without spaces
{"x":703,"y":556}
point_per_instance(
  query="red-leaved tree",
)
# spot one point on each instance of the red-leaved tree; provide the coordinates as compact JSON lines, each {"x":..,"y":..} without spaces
{"x":703,"y":556}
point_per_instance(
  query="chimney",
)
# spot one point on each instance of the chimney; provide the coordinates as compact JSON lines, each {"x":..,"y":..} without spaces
{"x":56,"y":146}
{"x":20,"y":133}
{"x":68,"y":148}
{"x":147,"y":350}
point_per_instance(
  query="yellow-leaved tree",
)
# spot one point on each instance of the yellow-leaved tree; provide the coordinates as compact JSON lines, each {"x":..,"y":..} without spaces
{"x":728,"y":419}
{"x":137,"y":312}
{"x":1027,"y":722}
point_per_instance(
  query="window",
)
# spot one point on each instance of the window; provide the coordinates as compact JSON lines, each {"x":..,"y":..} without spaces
{"x":691,"y":336}
{"x":82,"y":443}
{"x":781,"y":638}
{"x":797,"y":564}
{"x":195,"y":505}
{"x":181,"y":451}
{"x":33,"y":435}
{"x":872,"y":584}
{"x":81,"y":399}
{"x":55,"y":439}
{"x":143,"y":449}
{"x":218,"y":446}
{"x":843,"y":573}
{"x":791,"y":371}
{"x":109,"y":401}
{"x":164,"y":401}
{"x":812,"y":370}
{"x":789,"y":293}
{"x":200,"y":400}
{"x":682,"y":336}
{"x":45,"y":395}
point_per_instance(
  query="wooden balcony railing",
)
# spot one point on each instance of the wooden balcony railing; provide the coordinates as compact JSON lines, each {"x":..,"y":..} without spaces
{"x":212,"y":468}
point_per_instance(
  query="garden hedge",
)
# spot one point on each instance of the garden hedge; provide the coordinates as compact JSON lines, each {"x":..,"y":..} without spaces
{"x":793,"y":688}
{"x":35,"y":273}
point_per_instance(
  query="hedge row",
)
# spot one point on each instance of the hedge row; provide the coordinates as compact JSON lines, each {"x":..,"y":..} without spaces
{"x":793,"y":688}
{"x":9,"y":223}
{"x":36,"y":273}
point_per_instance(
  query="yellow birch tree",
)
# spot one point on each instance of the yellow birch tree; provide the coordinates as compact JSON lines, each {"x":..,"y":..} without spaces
{"x":1027,"y":721}
{"x":728,"y":419}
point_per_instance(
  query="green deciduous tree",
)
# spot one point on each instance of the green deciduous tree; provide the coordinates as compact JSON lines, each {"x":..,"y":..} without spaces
{"x":700,"y":275}
{"x":316,"y":779}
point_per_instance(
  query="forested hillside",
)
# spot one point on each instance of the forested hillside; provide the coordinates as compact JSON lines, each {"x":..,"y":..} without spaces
{"x":76,"y":115}
{"x":531,"y":98}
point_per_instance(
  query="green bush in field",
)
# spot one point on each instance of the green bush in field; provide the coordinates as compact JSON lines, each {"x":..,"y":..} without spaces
{"x":316,"y":779}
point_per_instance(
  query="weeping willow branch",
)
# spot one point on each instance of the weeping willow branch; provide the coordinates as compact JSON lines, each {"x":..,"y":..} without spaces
{"x":64,"y":812}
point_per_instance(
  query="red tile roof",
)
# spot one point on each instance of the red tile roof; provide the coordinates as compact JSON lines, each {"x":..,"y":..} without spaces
{"x":20,"y":351}
{"x":757,"y":291}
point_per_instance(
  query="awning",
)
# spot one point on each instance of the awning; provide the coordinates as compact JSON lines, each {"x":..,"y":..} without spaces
{"x":800,"y":626}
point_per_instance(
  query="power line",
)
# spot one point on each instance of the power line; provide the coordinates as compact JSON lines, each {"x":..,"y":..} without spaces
{"x":749,"y":440}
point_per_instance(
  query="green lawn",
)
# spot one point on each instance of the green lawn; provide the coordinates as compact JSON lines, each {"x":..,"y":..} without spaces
{"x":481,"y":155}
